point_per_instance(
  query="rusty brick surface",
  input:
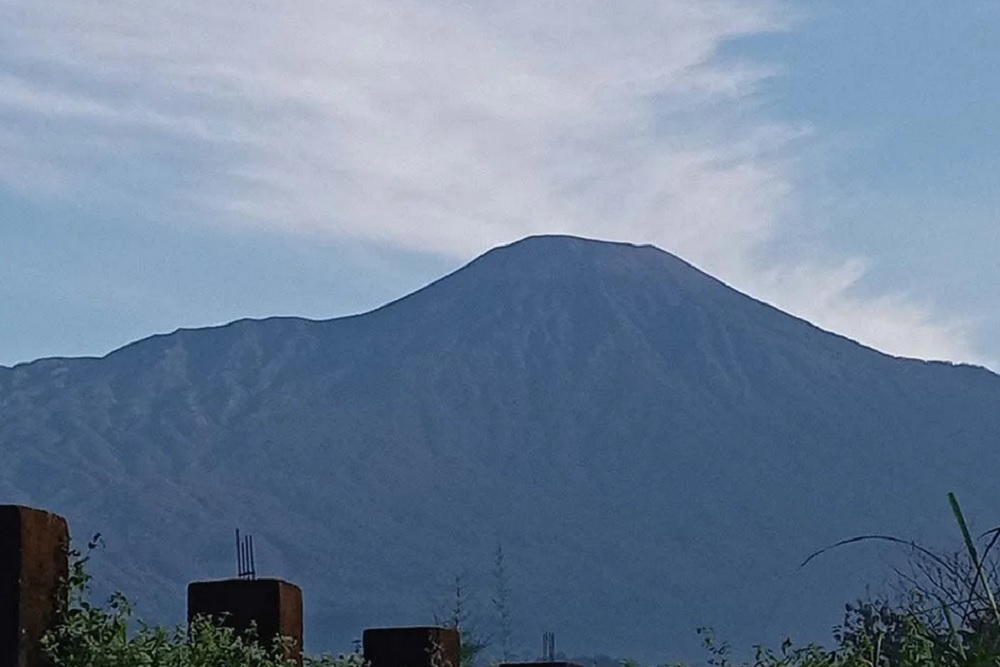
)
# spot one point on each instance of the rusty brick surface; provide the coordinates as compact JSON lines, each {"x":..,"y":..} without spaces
{"x":275,"y":606}
{"x":425,"y":646}
{"x":33,"y":567}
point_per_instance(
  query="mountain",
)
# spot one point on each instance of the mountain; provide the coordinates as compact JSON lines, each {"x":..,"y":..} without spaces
{"x":654,"y":450}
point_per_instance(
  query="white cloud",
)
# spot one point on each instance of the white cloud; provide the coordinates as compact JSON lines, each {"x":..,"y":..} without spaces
{"x":439,"y":125}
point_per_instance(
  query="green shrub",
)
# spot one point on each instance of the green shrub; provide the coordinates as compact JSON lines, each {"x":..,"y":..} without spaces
{"x":88,"y":635}
{"x":945,"y":616}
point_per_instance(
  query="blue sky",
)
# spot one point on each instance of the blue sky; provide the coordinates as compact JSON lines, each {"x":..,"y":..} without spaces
{"x":189,"y":163}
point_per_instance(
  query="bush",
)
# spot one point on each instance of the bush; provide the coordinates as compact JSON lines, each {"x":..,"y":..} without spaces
{"x":88,"y":635}
{"x":946,"y":615}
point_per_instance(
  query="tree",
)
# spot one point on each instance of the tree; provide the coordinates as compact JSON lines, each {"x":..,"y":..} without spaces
{"x":501,"y":601}
{"x":459,"y":618}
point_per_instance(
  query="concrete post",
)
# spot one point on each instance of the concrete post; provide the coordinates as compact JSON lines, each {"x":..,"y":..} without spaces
{"x":412,"y":647}
{"x":273,"y":605}
{"x":34,"y":565}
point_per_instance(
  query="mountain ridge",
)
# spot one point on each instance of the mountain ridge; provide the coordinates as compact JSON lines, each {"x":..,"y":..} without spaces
{"x":533,"y":240}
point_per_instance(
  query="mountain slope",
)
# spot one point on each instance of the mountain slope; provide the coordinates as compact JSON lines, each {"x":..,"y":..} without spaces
{"x":654,"y":450}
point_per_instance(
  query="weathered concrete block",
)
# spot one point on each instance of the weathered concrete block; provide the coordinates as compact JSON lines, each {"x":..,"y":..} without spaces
{"x":34,"y":564}
{"x":412,"y":647}
{"x":275,"y":606}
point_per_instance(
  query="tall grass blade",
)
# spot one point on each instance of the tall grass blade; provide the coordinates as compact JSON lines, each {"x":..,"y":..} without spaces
{"x":995,"y":532}
{"x":970,"y":546}
{"x":956,"y":639}
{"x":884,"y":538}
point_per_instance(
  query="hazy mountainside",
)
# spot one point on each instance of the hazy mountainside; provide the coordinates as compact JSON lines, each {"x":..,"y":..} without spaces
{"x":654,"y":450}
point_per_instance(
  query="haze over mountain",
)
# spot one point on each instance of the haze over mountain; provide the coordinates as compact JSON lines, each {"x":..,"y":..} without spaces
{"x":654,"y":450}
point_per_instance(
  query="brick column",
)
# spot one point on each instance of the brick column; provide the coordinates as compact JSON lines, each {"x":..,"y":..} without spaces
{"x":412,"y":647}
{"x":34,"y":564}
{"x":275,"y":606}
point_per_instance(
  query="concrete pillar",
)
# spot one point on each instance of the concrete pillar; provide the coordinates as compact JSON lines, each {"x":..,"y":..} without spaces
{"x":412,"y":647}
{"x":34,"y":564}
{"x":275,"y":606}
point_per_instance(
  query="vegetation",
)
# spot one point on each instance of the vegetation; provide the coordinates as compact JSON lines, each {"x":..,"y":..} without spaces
{"x":459,"y":617}
{"x":89,"y":635}
{"x":501,"y":603}
{"x":945,"y":614}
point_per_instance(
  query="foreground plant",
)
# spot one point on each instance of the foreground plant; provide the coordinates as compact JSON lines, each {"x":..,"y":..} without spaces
{"x":89,"y":635}
{"x":945,"y":616}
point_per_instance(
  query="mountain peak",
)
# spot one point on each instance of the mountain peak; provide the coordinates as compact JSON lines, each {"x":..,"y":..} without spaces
{"x":566,"y":252}
{"x":533,"y":266}
{"x":567,"y":281}
{"x":571,"y":243}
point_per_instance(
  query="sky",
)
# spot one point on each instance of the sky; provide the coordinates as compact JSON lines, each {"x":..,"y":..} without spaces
{"x":184,"y":163}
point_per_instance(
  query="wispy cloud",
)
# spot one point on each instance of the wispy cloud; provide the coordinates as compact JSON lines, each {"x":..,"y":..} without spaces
{"x":439,"y":125}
